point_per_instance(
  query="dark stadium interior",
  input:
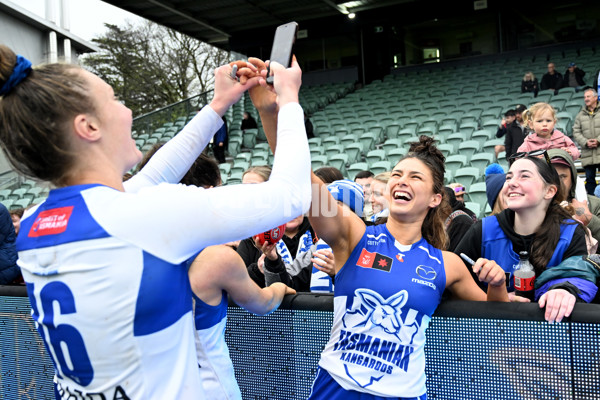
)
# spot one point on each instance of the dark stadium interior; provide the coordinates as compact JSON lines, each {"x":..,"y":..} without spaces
{"x":384,"y":34}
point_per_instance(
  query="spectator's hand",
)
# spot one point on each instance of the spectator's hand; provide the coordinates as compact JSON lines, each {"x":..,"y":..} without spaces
{"x":559,"y":304}
{"x":261,"y":263}
{"x":263,"y":98}
{"x":503,"y":123}
{"x":269,"y":250}
{"x":323,"y":260}
{"x":286,"y":82}
{"x":220,"y":144}
{"x":513,"y":298}
{"x":591,"y":143}
{"x":582,"y":212}
{"x":489,"y":272}
{"x":228,"y":90}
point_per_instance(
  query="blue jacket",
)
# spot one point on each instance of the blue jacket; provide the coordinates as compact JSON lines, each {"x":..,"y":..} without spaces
{"x":9,"y":270}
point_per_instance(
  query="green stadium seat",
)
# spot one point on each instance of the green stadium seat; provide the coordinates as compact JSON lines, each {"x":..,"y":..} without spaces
{"x":319,"y":161}
{"x":475,"y":207}
{"x":355,"y":168}
{"x":481,"y":160}
{"x":334,"y":149}
{"x":375,"y":155}
{"x":392,"y":144}
{"x":396,"y":154}
{"x":339,"y":161}
{"x":239,"y":166}
{"x":455,"y":139}
{"x":354,"y":152}
{"x":235,"y":178}
{"x":379,"y":167}
{"x":467,"y":176}
{"x":482,"y":136}
{"x":468,"y":148}
{"x":249,"y":138}
{"x":368,"y":140}
{"x":4,"y":193}
{"x":446,"y":149}
{"x":477,"y":193}
{"x":488,"y":146}
{"x":455,"y":162}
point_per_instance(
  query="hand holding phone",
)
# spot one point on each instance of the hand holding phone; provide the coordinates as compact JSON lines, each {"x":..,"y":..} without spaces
{"x":283,"y":44}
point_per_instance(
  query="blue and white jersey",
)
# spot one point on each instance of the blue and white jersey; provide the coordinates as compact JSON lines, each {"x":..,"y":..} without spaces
{"x":216,"y":368}
{"x":320,"y":282}
{"x":385,"y":295}
{"x":106,"y":270}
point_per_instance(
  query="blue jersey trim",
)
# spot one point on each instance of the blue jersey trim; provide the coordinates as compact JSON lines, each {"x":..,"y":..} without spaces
{"x":206,"y":315}
{"x":161,"y":288}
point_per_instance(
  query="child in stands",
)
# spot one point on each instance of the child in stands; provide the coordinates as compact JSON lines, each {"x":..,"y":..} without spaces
{"x":541,"y":117}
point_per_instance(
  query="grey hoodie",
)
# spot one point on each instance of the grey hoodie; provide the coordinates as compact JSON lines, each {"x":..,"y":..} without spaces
{"x":593,"y":201}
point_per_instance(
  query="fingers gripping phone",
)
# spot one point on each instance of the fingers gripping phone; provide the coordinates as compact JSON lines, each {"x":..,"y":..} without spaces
{"x":283,"y":44}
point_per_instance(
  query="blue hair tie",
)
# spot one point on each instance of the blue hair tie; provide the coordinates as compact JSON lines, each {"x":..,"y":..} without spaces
{"x":20,"y":71}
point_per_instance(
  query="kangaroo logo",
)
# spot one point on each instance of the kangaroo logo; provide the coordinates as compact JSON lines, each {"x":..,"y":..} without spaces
{"x":378,"y":335}
{"x":372,"y":310}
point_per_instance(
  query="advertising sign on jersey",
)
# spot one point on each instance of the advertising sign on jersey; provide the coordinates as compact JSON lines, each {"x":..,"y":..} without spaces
{"x":51,"y":222}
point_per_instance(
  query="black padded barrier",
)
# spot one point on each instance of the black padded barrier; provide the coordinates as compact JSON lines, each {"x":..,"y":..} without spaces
{"x":475,"y":350}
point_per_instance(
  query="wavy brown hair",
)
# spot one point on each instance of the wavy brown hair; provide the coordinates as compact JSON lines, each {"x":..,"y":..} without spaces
{"x":433,"y":229}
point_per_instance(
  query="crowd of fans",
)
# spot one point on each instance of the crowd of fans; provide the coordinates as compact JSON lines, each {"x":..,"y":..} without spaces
{"x":536,"y":204}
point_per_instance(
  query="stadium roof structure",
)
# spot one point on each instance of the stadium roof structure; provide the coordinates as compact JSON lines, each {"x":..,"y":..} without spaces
{"x":215,"y":21}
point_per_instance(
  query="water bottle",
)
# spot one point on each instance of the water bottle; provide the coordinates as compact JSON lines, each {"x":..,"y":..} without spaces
{"x":524,"y":277}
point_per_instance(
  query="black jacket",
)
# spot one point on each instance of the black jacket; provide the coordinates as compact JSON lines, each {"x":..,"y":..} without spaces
{"x":9,"y":271}
{"x":551,"y":81}
{"x":579,"y":74}
{"x":514,"y":138}
{"x":250,"y":254}
{"x":530,"y":86}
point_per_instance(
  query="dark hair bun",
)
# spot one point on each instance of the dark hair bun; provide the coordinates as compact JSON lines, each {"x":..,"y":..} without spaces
{"x":426,"y":148}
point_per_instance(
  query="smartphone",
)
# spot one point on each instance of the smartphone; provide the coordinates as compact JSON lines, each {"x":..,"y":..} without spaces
{"x":283,"y":44}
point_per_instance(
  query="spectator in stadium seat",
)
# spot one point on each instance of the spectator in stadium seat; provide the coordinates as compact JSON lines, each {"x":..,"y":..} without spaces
{"x":379,"y":203}
{"x":329,"y":174}
{"x":515,"y":132}
{"x":248,"y":122}
{"x":508,"y":119}
{"x":15,"y":215}
{"x":298,"y":237}
{"x":541,"y":118}
{"x":459,"y":191}
{"x":494,"y":188}
{"x":317,"y":267}
{"x":220,"y":142}
{"x":308,"y":125}
{"x":9,"y":270}
{"x":529,"y":84}
{"x":586,"y":132}
{"x":121,"y":256}
{"x":586,"y":211}
{"x":458,"y":221}
{"x":573,"y":77}
{"x":365,"y":179}
{"x":552,"y":80}
{"x":534,"y":221}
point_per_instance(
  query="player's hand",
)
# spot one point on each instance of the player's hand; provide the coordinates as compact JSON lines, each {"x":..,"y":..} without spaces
{"x":489,"y":272}
{"x":323,"y":260}
{"x":228,"y":90}
{"x":286,"y":82}
{"x":263,"y":97}
{"x":559,"y":304}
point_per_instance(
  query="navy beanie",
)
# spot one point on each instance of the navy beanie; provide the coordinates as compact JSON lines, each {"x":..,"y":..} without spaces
{"x":494,"y":180}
